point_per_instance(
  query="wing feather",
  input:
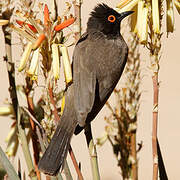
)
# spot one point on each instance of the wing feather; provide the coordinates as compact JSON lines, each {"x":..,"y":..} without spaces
{"x":84,"y":80}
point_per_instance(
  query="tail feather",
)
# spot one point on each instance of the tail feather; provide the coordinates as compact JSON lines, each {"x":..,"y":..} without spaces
{"x":55,"y":154}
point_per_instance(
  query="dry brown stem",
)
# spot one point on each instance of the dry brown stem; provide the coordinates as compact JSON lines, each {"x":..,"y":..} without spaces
{"x":55,"y":112}
{"x":75,"y":164}
{"x":155,"y":124}
{"x":77,"y":14}
{"x":34,"y":137}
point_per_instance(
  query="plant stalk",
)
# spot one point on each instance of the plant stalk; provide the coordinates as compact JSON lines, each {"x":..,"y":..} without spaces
{"x":92,"y":153}
{"x":134,"y":155}
{"x":25,"y":147}
{"x":77,"y":14}
{"x":155,"y":124}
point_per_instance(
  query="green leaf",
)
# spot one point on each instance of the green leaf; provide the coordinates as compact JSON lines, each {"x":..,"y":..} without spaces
{"x":8,"y":166}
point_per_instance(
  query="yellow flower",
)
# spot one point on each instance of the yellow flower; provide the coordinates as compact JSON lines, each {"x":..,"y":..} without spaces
{"x":25,"y":56}
{"x":55,"y":61}
{"x":34,"y":63}
{"x":140,"y":17}
{"x":155,"y":16}
{"x":66,"y":64}
{"x":170,"y":16}
{"x":143,"y":31}
{"x":177,"y":4}
{"x":127,"y":5}
{"x":3,"y":22}
{"x":12,"y":140}
{"x":5,"y":111}
{"x":62,"y":104}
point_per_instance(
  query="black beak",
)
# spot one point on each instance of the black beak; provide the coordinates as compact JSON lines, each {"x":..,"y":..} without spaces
{"x":124,"y":14}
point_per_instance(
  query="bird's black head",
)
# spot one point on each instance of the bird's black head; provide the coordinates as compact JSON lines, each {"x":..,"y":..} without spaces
{"x":105,"y":19}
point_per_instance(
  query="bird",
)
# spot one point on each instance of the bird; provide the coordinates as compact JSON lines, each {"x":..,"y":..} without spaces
{"x":98,"y":61}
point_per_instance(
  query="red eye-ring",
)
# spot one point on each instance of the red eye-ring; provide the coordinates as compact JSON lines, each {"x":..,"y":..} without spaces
{"x":111,"y":18}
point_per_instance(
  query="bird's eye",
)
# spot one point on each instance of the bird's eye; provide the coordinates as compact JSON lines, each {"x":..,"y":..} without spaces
{"x":111,"y":18}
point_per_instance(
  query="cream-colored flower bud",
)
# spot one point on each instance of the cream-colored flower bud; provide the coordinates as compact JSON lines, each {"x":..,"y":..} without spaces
{"x":169,"y":16}
{"x":11,"y":133}
{"x":134,"y":20}
{"x":140,"y":16}
{"x":25,"y":56}
{"x":155,"y":16}
{"x":34,"y":63}
{"x":5,"y":111}
{"x":123,"y":3}
{"x":3,"y":22}
{"x":53,"y":10}
{"x":102,"y":139}
{"x":12,"y":141}
{"x":143,"y":31}
{"x":12,"y":148}
{"x":55,"y":61}
{"x":177,"y":4}
{"x":127,"y":7}
{"x":66,"y":64}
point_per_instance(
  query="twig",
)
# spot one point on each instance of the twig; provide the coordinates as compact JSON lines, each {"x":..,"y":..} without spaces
{"x":155,"y":47}
{"x":38,"y":130}
{"x":10,"y":63}
{"x":55,"y":112}
{"x":92,"y":152}
{"x":77,"y":13}
{"x":32,"y":117}
{"x":34,"y":136}
{"x":154,"y":128}
{"x":75,"y":164}
{"x":134,"y":155}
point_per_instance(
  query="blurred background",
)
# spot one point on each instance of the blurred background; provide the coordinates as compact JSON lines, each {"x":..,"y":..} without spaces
{"x":169,"y":121}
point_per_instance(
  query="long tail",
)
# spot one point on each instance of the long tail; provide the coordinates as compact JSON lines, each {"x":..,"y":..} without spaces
{"x":54,"y":156}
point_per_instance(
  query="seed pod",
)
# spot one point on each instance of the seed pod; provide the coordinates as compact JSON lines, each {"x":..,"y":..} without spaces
{"x":34,"y":62}
{"x":55,"y":61}
{"x":25,"y":56}
{"x":66,"y":64}
{"x":169,"y":16}
{"x":155,"y":16}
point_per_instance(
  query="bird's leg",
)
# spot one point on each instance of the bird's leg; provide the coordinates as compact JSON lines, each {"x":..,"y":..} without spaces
{"x":92,"y":152}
